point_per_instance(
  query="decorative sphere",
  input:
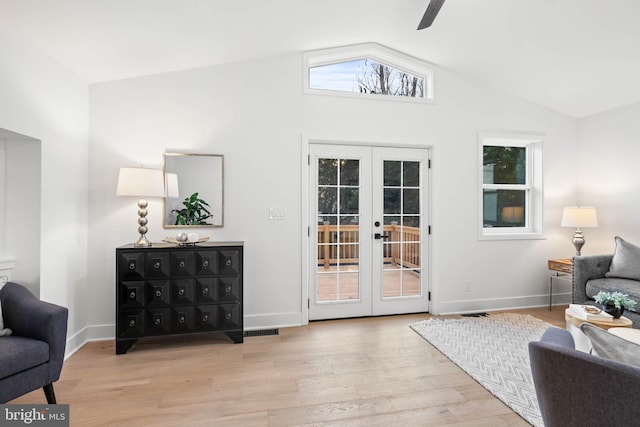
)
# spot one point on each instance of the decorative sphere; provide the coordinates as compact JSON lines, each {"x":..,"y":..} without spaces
{"x":193,"y":237}
{"x":181,"y":237}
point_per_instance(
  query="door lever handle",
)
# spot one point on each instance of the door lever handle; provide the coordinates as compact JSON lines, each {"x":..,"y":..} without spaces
{"x":379,"y":236}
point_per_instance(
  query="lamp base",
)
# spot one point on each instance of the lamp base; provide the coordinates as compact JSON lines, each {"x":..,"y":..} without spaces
{"x":142,"y":242}
{"x":142,"y":225}
{"x":578,"y":241}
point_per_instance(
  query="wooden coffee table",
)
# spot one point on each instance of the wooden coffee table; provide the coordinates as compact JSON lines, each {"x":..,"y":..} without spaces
{"x":580,"y":339}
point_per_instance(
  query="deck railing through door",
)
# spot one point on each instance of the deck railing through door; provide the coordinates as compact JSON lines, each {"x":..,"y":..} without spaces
{"x":402,"y":247}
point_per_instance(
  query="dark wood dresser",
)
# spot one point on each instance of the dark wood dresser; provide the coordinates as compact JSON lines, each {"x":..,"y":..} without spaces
{"x":172,"y":290}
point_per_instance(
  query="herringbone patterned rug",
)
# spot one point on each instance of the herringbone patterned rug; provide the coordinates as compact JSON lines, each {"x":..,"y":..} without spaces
{"x":494,"y":351}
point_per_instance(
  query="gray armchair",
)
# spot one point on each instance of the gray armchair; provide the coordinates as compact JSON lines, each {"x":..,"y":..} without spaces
{"x":579,"y":389}
{"x":31,"y":358}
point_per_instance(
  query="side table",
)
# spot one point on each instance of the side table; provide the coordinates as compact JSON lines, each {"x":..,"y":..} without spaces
{"x":628,"y":334}
{"x":580,"y":339}
{"x":560,"y":268}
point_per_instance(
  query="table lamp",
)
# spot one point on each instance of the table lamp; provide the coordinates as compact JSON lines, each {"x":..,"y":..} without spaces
{"x":142,"y":183}
{"x":585,"y":217}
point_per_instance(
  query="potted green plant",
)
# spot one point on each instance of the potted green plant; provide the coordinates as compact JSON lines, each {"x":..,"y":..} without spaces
{"x":195,"y":211}
{"x":614,"y":303}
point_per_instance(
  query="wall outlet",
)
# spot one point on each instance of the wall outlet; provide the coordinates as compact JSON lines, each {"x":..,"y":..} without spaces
{"x":467,"y":286}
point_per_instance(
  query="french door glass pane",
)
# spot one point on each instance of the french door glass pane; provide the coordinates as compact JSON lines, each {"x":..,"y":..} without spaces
{"x":338,"y":274}
{"x":402,"y":246}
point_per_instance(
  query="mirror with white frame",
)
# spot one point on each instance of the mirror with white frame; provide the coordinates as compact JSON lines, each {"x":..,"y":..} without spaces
{"x":196,"y":173}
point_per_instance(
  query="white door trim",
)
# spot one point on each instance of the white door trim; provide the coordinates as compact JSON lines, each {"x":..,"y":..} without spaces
{"x":306,"y":141}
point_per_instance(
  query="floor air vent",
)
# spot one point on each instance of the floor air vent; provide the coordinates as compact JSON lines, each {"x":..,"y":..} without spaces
{"x":261,"y":333}
{"x":475,"y":315}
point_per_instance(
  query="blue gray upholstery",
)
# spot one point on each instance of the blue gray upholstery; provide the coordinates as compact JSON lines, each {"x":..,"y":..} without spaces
{"x":579,"y":389}
{"x":589,"y":277}
{"x":31,"y":358}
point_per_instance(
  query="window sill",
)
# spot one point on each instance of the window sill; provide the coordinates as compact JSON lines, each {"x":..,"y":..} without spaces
{"x":512,"y":236}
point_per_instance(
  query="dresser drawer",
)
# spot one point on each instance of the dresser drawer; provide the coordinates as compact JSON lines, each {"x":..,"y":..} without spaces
{"x":228,"y":262}
{"x":206,"y":317}
{"x":131,"y":295}
{"x":229,"y":316}
{"x":131,"y":324}
{"x":182,"y":264}
{"x":158,"y":321}
{"x":228,"y":290}
{"x":158,"y":293}
{"x":157,"y":265}
{"x":131,"y":265}
{"x":182,"y":319}
{"x":182,"y":291}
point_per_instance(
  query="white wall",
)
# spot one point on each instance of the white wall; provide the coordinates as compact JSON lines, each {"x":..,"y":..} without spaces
{"x":43,"y":100}
{"x":255,"y":114}
{"x":21,"y":209}
{"x":609,"y":177}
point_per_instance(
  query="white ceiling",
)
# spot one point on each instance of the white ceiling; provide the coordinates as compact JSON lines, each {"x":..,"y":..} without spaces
{"x":579,"y":57}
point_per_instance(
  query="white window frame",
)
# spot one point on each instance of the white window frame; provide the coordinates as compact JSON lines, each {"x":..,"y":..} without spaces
{"x":376,"y":52}
{"x":533,"y":187}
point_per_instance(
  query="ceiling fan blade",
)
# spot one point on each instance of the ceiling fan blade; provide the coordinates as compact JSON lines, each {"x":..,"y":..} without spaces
{"x":430,"y":14}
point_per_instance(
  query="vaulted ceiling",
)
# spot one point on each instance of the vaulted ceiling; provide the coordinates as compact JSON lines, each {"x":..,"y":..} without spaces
{"x":578,"y":57}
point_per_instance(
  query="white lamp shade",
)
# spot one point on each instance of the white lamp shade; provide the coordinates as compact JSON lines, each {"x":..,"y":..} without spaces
{"x":141,"y":182}
{"x":585,"y":217}
{"x":171,"y":184}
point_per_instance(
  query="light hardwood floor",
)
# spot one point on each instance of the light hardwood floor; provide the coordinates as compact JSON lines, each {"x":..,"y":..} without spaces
{"x":355,"y":372}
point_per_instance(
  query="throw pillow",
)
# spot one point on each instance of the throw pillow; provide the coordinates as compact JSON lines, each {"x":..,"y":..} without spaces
{"x":625,"y":263}
{"x":4,"y":332}
{"x":611,"y":346}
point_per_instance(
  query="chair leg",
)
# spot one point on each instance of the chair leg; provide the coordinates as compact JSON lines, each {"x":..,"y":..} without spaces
{"x":48,"y":392}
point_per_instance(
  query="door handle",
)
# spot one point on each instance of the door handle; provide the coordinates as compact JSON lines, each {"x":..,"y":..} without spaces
{"x":379,"y":236}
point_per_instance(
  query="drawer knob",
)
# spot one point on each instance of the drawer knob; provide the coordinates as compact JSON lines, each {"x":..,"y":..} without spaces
{"x":205,"y":291}
{"x":228,"y":263}
{"x":228,"y":289}
{"x":158,"y":322}
{"x":205,"y":263}
{"x":132,"y":295}
{"x":181,"y":319}
{"x":181,"y":264}
{"x":156,"y":265}
{"x":132,"y":266}
{"x":132,"y":323}
{"x":205,"y":317}
{"x":228,"y":316}
{"x":181,"y":292}
{"x":158,"y":293}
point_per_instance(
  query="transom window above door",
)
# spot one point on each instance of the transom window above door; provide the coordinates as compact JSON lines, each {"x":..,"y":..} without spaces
{"x":370,"y":71}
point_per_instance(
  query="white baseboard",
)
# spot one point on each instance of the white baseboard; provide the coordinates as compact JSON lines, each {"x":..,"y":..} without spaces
{"x":87,"y":334}
{"x":493,"y":304}
{"x":251,"y":322}
{"x":272,"y":320}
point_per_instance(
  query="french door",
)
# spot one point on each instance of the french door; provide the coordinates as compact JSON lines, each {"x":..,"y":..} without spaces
{"x":368,"y":239}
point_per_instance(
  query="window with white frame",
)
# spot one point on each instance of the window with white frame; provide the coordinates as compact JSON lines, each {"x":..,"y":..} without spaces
{"x":511,"y":186}
{"x":367,"y":70}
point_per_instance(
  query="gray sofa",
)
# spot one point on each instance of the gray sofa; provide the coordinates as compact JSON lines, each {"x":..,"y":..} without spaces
{"x":30,"y":358}
{"x":577,"y":389}
{"x":590,"y":277}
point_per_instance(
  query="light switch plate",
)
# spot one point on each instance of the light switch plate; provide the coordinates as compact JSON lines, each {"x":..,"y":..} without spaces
{"x":277,"y":213}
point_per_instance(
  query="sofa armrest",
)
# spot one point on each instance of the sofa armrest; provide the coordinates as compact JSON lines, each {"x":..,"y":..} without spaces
{"x":27,"y":316}
{"x":586,"y":268}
